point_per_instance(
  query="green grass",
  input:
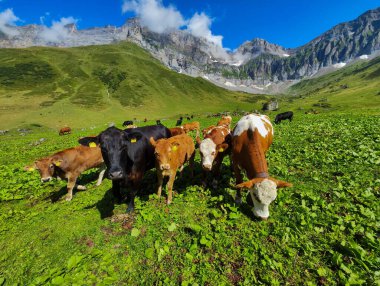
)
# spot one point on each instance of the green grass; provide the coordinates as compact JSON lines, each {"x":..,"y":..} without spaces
{"x":323,"y":231}
{"x":58,"y":86}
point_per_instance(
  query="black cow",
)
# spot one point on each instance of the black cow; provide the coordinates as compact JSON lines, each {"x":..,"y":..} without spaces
{"x":188,"y":118}
{"x":192,"y":116}
{"x":158,"y":122}
{"x":283,"y":116}
{"x":128,"y":122}
{"x":179,"y":121}
{"x":127,"y":155}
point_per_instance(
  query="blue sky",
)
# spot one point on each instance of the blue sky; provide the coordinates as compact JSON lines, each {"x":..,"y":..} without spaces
{"x":288,"y":23}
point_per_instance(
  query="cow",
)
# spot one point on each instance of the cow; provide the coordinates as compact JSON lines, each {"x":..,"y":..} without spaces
{"x":126,"y":123}
{"x":188,"y":118}
{"x":171,"y":154}
{"x":192,"y":116}
{"x":127,"y":154}
{"x":158,"y":122}
{"x":179,"y":121}
{"x":213,"y":148}
{"x":177,"y":131}
{"x":284,"y":116}
{"x":145,"y":119}
{"x":192,"y":126}
{"x":225,"y":121}
{"x":64,"y":130}
{"x":251,"y":139}
{"x":69,"y":164}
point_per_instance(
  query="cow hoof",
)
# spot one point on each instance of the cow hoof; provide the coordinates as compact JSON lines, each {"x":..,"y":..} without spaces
{"x":68,"y":198}
{"x":168,"y":202}
{"x":81,"y":188}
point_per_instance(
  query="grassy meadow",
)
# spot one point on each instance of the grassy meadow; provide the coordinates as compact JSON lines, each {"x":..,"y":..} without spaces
{"x":322,"y":231}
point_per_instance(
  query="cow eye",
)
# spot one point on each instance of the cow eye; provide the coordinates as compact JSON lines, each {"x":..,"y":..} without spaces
{"x":51,"y":166}
{"x":213,"y":153}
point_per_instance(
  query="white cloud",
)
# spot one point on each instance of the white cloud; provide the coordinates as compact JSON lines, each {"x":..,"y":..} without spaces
{"x":154,"y":15}
{"x":58,"y":31}
{"x":199,"y":26}
{"x":7,"y":20}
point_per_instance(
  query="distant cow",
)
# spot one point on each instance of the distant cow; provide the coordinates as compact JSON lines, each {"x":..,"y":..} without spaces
{"x":188,"y":118}
{"x":283,"y":116}
{"x":177,"y":131}
{"x":171,"y":155}
{"x":127,"y":154}
{"x":251,"y":139}
{"x":213,"y":148}
{"x":158,"y":122}
{"x":64,"y":130}
{"x":192,"y":126}
{"x":179,"y":121}
{"x":145,"y":120}
{"x":69,"y":164}
{"x":192,"y":116}
{"x":128,"y":122}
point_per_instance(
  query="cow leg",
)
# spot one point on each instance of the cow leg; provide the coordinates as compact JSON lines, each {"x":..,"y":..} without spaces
{"x":101,"y":175}
{"x":160,"y":178}
{"x":70,"y":186}
{"x":116,"y":191}
{"x":135,"y":186}
{"x":191,"y":165}
{"x":239,"y":179}
{"x":216,"y":172}
{"x":170,"y":187}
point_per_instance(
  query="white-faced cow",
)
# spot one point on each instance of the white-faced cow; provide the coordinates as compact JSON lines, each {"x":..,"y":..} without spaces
{"x":69,"y":164}
{"x":171,"y":155}
{"x":251,"y":139}
{"x":127,"y":155}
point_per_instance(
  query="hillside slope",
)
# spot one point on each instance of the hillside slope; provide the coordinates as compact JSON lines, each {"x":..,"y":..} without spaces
{"x":58,"y":86}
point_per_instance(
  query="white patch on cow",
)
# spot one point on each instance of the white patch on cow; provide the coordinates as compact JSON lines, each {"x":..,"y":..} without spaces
{"x":207,"y":147}
{"x":222,"y":133}
{"x":262,"y":195}
{"x":252,"y":122}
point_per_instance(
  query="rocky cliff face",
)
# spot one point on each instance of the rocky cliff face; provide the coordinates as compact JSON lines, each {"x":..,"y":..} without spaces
{"x":256,"y":66}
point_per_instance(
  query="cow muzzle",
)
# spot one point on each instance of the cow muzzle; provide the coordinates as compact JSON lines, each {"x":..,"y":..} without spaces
{"x":45,"y":180}
{"x":207,"y":167}
{"x":164,"y":167}
{"x":116,"y":175}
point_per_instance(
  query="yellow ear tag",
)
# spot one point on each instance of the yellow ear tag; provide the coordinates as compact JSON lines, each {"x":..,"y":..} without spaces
{"x":57,"y":164}
{"x":31,"y":169}
{"x":174,"y":148}
{"x":92,"y":144}
{"x":133,"y":140}
{"x":221,"y":150}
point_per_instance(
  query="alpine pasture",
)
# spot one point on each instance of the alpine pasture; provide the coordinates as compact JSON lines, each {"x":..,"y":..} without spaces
{"x":322,"y":231}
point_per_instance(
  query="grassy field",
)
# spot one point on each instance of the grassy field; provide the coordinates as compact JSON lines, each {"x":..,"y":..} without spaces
{"x":323,"y":231}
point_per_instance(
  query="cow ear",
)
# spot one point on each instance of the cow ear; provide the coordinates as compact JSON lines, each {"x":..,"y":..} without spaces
{"x":281,"y":184}
{"x":249,"y":184}
{"x":151,"y":140}
{"x":222,"y":147}
{"x":133,"y":137}
{"x":89,"y":141}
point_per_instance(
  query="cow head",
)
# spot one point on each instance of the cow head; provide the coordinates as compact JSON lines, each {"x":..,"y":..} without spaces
{"x":164,"y":150}
{"x":263,"y":191}
{"x":209,"y":150}
{"x":114,"y":144}
{"x":46,"y":167}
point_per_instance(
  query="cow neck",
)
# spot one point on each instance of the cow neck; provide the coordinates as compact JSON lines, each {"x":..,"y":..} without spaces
{"x":260,"y":166}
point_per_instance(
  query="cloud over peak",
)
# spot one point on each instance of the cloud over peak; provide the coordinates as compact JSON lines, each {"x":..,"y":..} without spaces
{"x":58,"y":31}
{"x":7,"y":20}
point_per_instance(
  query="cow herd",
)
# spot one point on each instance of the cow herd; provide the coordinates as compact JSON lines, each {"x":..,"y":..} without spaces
{"x":124,"y":156}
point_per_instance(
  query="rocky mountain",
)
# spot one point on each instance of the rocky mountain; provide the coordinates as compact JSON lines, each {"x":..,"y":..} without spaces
{"x":256,"y":66}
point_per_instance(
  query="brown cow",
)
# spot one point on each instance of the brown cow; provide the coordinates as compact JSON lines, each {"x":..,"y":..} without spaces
{"x":177,"y":131}
{"x":69,"y":164}
{"x":251,"y":139}
{"x":171,"y":155}
{"x":192,"y":126}
{"x":225,"y":121}
{"x":213,"y":148}
{"x":64,"y":130}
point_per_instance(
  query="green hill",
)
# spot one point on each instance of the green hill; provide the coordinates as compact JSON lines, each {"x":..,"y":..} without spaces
{"x":97,"y":84}
{"x":353,"y":88}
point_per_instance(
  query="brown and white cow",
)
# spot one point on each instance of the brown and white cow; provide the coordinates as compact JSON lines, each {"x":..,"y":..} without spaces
{"x":213,"y":148}
{"x":171,"y":154}
{"x":64,"y":130}
{"x":251,"y":139}
{"x":192,"y":126}
{"x":225,"y":121}
{"x":174,"y":131}
{"x":69,"y":164}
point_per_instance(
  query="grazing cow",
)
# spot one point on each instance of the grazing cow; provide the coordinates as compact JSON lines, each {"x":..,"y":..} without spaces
{"x":171,"y":155}
{"x":158,"y":122}
{"x":188,"y":118}
{"x":64,"y":130}
{"x":251,"y":139}
{"x":69,"y":164}
{"x":177,"y":131}
{"x":283,"y":116}
{"x":179,"y":121}
{"x":213,"y":148}
{"x":128,"y":122}
{"x":225,"y":121}
{"x":192,"y":126}
{"x":192,"y":116}
{"x":145,"y":120}
{"x":127,"y":155}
